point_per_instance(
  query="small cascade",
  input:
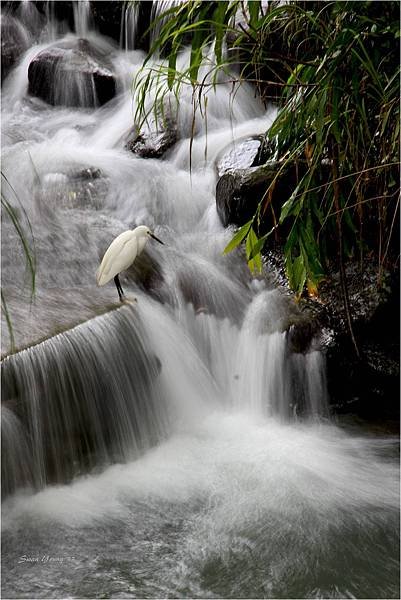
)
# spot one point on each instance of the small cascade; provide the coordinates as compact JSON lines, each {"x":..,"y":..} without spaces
{"x":269,"y":379}
{"x":82,"y":18}
{"x":129,"y":24}
{"x":253,"y":366}
{"x":54,"y":27}
{"x":158,"y":8}
{"x":28,"y":14}
{"x":83,"y":398}
{"x":15,"y":453}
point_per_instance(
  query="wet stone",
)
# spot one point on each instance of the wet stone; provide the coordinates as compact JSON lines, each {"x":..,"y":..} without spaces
{"x":152,"y":144}
{"x":14,"y":41}
{"x":72,"y":73}
{"x":239,"y":192}
{"x":243,"y":153}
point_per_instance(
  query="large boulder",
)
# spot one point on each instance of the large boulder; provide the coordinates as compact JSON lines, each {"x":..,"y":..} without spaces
{"x":72,"y":73}
{"x":249,"y":151}
{"x":246,"y":168}
{"x":14,"y":41}
{"x":367,"y":384}
{"x":239,"y":192}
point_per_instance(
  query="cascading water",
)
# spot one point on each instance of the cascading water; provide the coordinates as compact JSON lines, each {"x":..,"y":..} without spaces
{"x":74,"y":422}
{"x":129,"y":23}
{"x":228,"y":479}
{"x":82,"y":17}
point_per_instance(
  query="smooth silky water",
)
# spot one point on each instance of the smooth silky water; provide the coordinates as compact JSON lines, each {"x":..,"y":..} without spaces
{"x":173,"y":447}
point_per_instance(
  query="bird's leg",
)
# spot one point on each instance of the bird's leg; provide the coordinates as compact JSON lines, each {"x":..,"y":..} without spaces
{"x":119,"y":289}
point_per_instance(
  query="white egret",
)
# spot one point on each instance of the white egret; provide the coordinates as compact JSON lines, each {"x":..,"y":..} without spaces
{"x":121,"y":254}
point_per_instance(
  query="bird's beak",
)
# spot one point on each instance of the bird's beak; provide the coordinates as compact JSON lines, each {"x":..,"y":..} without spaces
{"x":155,"y":238}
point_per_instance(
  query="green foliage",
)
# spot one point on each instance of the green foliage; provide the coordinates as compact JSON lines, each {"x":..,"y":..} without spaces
{"x":342,"y":120}
{"x":193,"y":22}
{"x":252,"y":253}
{"x":238,"y":237}
{"x":337,"y":65}
{"x":253,"y":246}
{"x":29,"y":252}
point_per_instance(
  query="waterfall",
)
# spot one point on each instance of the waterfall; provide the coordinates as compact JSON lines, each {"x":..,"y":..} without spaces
{"x":82,"y":18}
{"x":129,"y":23}
{"x":176,"y":445}
{"x":80,"y":408}
{"x":158,"y":8}
{"x":107,"y":389}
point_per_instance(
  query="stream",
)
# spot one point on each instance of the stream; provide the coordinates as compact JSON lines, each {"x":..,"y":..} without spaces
{"x":173,"y":447}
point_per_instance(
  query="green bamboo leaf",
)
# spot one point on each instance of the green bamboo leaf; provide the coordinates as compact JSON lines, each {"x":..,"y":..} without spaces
{"x":344,"y":96}
{"x":251,"y":241}
{"x":255,"y":264}
{"x":220,"y":22}
{"x":254,"y":258}
{"x":296,"y":273}
{"x":291,"y":206}
{"x":294,"y":77}
{"x":258,"y":246}
{"x":196,"y":58}
{"x":253,"y":8}
{"x":238,"y":237}
{"x":172,"y":61}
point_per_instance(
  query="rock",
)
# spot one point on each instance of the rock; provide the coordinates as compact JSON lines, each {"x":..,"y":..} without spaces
{"x":250,"y":151}
{"x":135,"y":24}
{"x":302,"y":335}
{"x":239,"y":192}
{"x":143,"y":25}
{"x":107,"y":16}
{"x":367,"y":386}
{"x":14,"y":41}
{"x":155,"y":142}
{"x":88,"y":173}
{"x":79,"y":189}
{"x":147,"y":274}
{"x":61,"y":11}
{"x":72,"y":73}
{"x":246,"y":168}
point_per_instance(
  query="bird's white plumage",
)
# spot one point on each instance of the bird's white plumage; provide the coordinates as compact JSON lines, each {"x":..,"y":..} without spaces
{"x":121,"y":253}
